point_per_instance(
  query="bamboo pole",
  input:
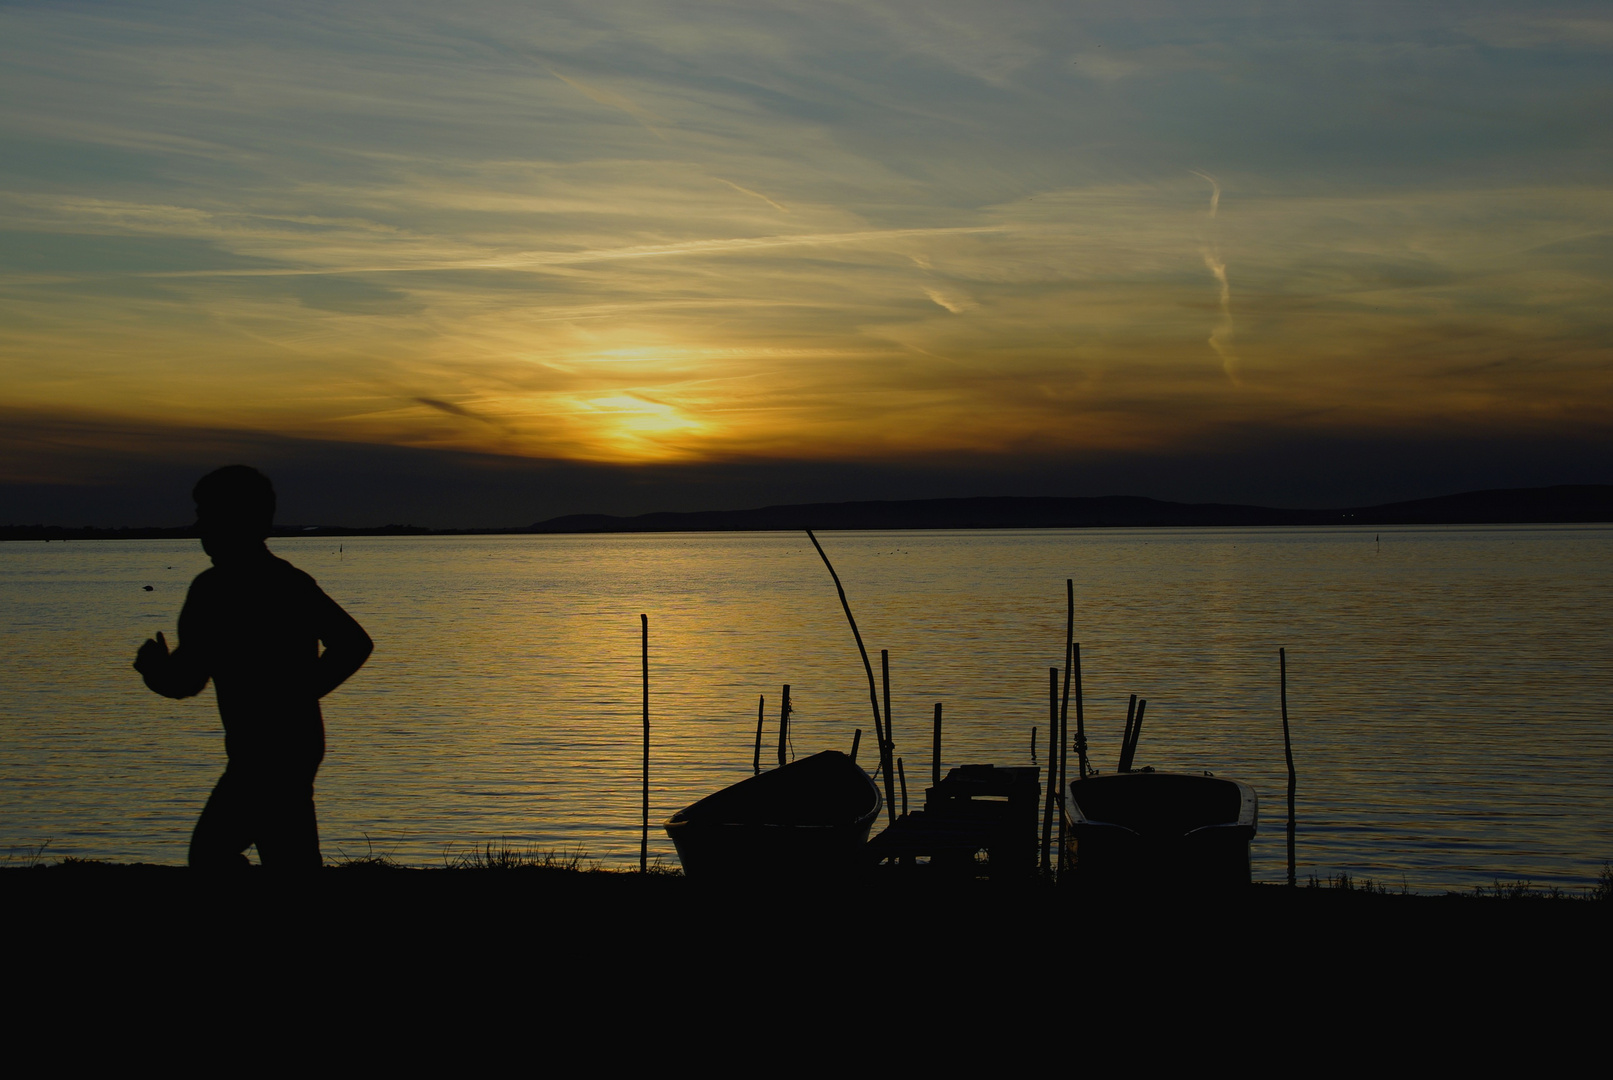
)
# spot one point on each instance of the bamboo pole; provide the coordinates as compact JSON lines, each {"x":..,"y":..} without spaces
{"x":890,"y":727}
{"x":935,"y":748}
{"x":873,"y":693}
{"x":1080,"y":720}
{"x":644,"y":833}
{"x":1052,"y":763}
{"x":902,"y":774}
{"x":784,"y":727}
{"x":756,"y":756}
{"x":1136,"y":732}
{"x":1288,"y":752}
{"x":856,"y":741}
{"x":1064,"y":710}
{"x":1125,"y":740}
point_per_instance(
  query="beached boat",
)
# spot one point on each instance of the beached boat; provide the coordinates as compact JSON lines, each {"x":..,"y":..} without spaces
{"x":808,"y":818}
{"x":1156,"y":829}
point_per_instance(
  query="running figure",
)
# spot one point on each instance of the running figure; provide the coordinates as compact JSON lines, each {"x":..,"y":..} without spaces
{"x":253,"y":624}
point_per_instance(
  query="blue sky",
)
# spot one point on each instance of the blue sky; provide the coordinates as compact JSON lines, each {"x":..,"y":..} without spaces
{"x":881,"y":234}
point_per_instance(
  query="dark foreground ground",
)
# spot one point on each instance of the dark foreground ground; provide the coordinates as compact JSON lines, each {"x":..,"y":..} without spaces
{"x":628,"y":918}
{"x":480,"y":964}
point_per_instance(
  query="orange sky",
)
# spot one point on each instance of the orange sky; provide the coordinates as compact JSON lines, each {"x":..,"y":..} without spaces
{"x":840,"y":233}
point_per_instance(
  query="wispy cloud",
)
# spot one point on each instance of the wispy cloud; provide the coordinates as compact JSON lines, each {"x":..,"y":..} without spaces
{"x":399,"y":227}
{"x":1221,"y":337}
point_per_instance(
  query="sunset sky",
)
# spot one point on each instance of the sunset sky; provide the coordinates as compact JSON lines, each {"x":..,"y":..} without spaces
{"x":637,"y":256}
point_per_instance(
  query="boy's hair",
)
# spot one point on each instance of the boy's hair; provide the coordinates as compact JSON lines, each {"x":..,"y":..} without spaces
{"x":237,"y":497}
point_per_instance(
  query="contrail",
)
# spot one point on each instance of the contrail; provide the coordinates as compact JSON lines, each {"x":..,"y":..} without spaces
{"x":752,"y":194}
{"x":1215,"y":190}
{"x":1221,"y":336}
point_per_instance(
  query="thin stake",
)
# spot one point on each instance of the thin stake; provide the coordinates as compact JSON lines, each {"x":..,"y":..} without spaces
{"x":856,"y":741}
{"x":890,"y":726}
{"x":784,"y":727}
{"x":644,"y":833}
{"x":903,"y":775}
{"x":935,"y":748}
{"x":873,"y":693}
{"x":1052,"y":763}
{"x":1125,"y":740}
{"x":1136,"y":731}
{"x":1080,"y":719}
{"x":1064,"y":707}
{"x":1034,"y":730}
{"x":756,"y":758}
{"x":1288,"y":752}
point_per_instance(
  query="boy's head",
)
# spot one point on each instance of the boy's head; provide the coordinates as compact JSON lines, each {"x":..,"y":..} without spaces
{"x":234,"y":507}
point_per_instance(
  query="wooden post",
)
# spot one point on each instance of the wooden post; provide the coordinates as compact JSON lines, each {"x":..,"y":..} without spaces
{"x":902,"y":774}
{"x":1034,"y":730}
{"x":1125,"y":740}
{"x":784,"y":727}
{"x":1080,"y":720}
{"x":935,"y":748}
{"x":1064,"y":711}
{"x":1136,"y":731}
{"x":890,"y":728}
{"x":856,"y":741}
{"x":644,"y":833}
{"x":873,"y":695}
{"x":1288,"y":752}
{"x":756,"y":758}
{"x":1052,"y":763}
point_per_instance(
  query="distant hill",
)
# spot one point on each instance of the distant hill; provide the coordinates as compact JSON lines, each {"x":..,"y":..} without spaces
{"x":1566,"y":503}
{"x":1583,"y":503}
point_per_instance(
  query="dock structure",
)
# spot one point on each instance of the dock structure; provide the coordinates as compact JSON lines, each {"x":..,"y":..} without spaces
{"x":976,"y":808}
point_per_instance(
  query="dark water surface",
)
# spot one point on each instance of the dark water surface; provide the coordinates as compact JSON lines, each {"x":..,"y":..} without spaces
{"x":1450,"y":689}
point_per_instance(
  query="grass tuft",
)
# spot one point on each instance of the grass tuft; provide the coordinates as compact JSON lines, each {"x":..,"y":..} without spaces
{"x":500,"y":856}
{"x":1603,"y":889}
{"x":367,"y":861}
{"x":32,"y":858}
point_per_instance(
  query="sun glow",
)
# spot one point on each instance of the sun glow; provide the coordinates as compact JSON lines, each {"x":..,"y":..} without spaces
{"x":631,"y":428}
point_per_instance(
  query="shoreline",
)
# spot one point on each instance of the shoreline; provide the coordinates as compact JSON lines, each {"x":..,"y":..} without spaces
{"x":1568,"y":504}
{"x":514,"y":866}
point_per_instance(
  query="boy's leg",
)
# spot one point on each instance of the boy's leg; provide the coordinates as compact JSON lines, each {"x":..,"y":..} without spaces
{"x":224,"y":830}
{"x":288,"y":836}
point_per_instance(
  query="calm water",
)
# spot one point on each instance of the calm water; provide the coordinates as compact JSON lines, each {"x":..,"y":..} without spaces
{"x":1450,"y":689}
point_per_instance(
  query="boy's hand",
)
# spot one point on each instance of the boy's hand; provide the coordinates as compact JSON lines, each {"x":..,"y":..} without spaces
{"x":152,"y":655}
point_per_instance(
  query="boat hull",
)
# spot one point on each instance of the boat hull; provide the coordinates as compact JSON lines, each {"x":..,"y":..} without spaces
{"x":1162,"y":830}
{"x":809,"y":818}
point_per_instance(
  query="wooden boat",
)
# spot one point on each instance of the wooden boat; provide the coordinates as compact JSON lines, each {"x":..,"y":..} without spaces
{"x":808,"y":818}
{"x":1161,"y":830}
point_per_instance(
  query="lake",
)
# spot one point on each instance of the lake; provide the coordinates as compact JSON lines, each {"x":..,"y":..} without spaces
{"x":1450,"y":691}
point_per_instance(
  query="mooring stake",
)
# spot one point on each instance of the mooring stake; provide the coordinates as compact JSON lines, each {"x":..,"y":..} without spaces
{"x":644,"y":833}
{"x":1288,"y":752}
{"x":756,"y":757}
{"x":873,"y":691}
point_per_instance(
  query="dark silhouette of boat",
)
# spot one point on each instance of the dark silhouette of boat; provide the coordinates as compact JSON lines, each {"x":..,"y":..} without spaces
{"x":808,"y":818}
{"x":1157,"y":829}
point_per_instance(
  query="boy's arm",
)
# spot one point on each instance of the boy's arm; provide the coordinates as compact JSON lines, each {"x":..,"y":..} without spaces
{"x":178,"y":674}
{"x":347,"y":646}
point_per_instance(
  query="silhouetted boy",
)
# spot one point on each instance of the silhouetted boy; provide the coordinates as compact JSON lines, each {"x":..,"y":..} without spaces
{"x":253,"y":624}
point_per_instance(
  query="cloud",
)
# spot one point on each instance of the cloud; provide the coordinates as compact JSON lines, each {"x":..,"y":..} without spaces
{"x":752,"y":194}
{"x":250,"y":225}
{"x":453,"y":410}
{"x":611,"y":99}
{"x":953,"y":303}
